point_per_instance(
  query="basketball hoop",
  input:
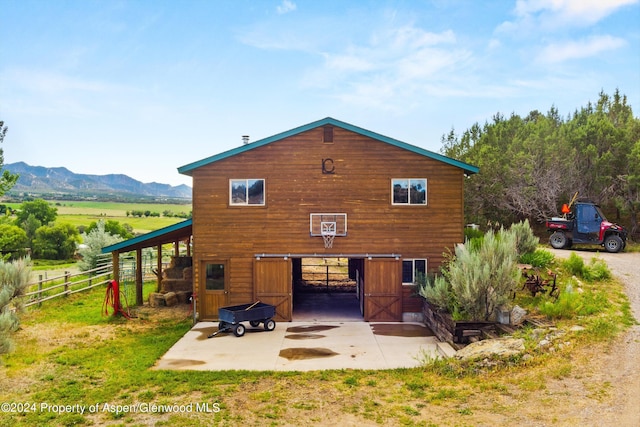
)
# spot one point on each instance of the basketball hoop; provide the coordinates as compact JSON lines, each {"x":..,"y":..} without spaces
{"x":328,"y":240}
{"x":328,"y":232}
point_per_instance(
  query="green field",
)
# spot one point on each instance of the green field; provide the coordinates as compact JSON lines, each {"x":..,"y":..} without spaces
{"x":83,"y":213}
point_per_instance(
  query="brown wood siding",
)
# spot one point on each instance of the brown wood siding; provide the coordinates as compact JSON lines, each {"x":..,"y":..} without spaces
{"x":411,"y":301}
{"x":295,"y":187}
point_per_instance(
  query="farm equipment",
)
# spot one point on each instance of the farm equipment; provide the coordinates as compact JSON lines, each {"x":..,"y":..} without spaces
{"x":583,"y":222}
{"x":231,"y":318}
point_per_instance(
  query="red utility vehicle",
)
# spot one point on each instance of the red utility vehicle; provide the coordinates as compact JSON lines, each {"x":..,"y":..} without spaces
{"x":585,"y":224}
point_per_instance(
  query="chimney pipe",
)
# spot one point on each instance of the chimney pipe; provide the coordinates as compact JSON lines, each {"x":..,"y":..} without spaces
{"x":245,"y":139}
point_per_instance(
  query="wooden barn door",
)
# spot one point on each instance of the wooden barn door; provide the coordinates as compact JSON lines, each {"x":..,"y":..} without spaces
{"x":273,"y":285}
{"x":383,"y":290}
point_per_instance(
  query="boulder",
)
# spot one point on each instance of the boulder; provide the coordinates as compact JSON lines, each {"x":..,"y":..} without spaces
{"x":501,"y":347}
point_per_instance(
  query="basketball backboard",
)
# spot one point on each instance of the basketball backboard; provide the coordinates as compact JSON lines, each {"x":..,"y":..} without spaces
{"x":328,"y":223}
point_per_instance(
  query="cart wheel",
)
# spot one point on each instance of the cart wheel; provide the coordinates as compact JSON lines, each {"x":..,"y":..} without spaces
{"x":238,"y":330}
{"x":269,"y":325}
{"x":222,"y":326}
{"x":254,"y":323}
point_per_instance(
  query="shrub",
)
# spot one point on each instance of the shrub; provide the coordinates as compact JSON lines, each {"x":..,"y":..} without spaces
{"x":14,"y":279}
{"x":566,"y":307}
{"x":486,"y":278}
{"x":541,"y":258}
{"x":437,"y":292}
{"x":596,"y":269}
{"x":94,"y":241}
{"x":574,"y":265}
{"x":526,"y":241}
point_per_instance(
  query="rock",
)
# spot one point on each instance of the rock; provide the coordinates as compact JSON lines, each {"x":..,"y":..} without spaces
{"x":501,"y":347}
{"x":576,"y":328}
{"x":544,"y":343}
{"x":517,"y":315}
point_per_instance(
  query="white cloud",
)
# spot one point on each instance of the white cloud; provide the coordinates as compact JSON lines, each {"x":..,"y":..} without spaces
{"x":559,"y":52}
{"x":557,"y":14}
{"x":285,"y":7}
{"x":390,"y":68}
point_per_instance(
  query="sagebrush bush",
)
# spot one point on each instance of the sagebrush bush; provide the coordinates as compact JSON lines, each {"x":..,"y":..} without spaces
{"x":526,"y":241}
{"x":437,"y":291}
{"x":486,"y":278}
{"x":14,"y":279}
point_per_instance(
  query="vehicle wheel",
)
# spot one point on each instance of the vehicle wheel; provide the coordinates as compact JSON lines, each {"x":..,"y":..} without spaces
{"x":254,"y":323}
{"x":558,"y":240}
{"x":222,"y":325}
{"x":269,"y":325}
{"x":613,"y":243}
{"x":239,"y":330}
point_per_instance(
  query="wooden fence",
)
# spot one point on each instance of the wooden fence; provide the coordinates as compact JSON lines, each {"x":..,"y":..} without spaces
{"x":67,"y":284}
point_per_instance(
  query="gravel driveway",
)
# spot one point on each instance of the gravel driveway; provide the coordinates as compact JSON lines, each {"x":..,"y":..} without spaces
{"x":622,"y":366}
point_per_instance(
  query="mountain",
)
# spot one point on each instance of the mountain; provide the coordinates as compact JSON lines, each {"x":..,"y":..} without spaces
{"x":53,"y":182}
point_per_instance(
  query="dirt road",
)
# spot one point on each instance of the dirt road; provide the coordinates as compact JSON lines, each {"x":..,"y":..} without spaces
{"x":621,"y":367}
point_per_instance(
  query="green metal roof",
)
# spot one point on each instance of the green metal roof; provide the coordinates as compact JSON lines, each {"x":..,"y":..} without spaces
{"x":158,"y":237}
{"x":188,"y":169}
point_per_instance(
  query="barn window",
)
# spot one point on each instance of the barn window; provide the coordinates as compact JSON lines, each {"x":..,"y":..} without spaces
{"x":411,"y":191}
{"x":412,"y":269}
{"x":246,"y":192}
{"x":214,"y":277}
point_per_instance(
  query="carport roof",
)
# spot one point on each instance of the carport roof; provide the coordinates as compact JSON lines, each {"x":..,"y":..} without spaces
{"x":170,"y":234}
{"x":467,"y":168}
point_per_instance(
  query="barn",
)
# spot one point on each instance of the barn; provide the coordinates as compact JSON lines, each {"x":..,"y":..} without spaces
{"x":327,"y":190}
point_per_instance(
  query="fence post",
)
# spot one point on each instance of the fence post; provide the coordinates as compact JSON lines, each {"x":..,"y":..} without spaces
{"x":66,"y":283}
{"x":327,"y":278}
{"x":40,"y":290}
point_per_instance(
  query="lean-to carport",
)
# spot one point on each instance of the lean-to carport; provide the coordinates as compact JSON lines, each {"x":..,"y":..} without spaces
{"x":180,"y":232}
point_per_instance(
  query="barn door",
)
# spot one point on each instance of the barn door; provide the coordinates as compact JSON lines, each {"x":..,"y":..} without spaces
{"x":273,"y":284}
{"x":383,"y":290}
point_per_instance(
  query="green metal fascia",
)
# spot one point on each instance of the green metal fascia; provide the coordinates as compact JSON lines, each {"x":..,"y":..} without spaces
{"x":148,"y":236}
{"x":187,"y":169}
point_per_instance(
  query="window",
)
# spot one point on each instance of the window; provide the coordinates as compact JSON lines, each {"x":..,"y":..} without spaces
{"x":409,"y":191}
{"x":247,"y":192}
{"x":214,"y":277}
{"x":411,"y":269}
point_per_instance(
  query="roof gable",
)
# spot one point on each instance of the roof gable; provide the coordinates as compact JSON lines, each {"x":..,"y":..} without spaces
{"x":188,"y":169}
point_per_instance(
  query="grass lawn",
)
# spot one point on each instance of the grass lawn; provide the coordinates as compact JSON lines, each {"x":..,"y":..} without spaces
{"x":69,"y":353}
{"x":83,"y":213}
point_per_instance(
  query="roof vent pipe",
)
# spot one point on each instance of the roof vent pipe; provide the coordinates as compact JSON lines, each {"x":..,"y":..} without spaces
{"x":245,"y":139}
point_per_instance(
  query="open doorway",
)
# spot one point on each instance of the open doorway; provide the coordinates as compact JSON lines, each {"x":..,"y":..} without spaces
{"x":327,"y":289}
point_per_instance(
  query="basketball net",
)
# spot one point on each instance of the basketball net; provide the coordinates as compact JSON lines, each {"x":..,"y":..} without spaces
{"x":328,"y":231}
{"x":328,"y":240}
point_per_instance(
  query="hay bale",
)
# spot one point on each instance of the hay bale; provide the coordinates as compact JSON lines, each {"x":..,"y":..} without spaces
{"x":170,"y":299}
{"x":156,"y":299}
{"x":183,"y":296}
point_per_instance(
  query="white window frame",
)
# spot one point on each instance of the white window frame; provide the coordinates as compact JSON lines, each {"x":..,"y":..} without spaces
{"x":247,"y":186}
{"x":408,"y":203}
{"x":413,"y":269}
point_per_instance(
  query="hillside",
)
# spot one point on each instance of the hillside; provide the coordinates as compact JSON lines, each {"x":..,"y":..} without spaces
{"x":61,"y":183}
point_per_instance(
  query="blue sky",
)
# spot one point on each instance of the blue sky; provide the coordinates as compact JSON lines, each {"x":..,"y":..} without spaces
{"x":144,"y":87}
